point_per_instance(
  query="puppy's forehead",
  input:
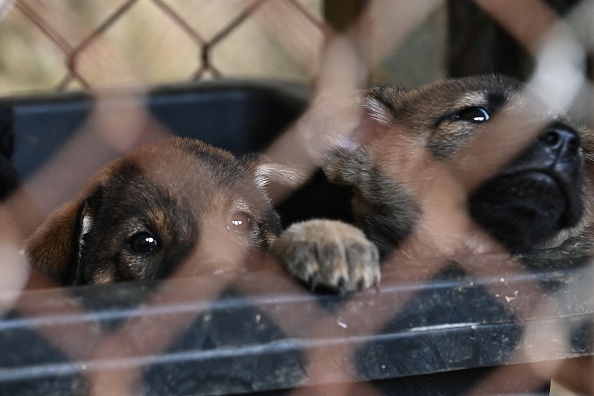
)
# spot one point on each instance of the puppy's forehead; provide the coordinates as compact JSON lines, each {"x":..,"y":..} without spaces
{"x":184,"y":165}
{"x":189,"y":173}
{"x":426,"y":113}
{"x":490,"y":91}
{"x":433,"y":100}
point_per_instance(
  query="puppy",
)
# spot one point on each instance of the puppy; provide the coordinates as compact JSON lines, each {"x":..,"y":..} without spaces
{"x":404,"y":162}
{"x":177,"y":205}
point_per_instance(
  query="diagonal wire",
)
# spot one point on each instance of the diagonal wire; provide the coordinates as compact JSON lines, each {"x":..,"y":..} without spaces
{"x":56,"y":38}
{"x":181,"y":22}
{"x":205,"y":55}
{"x":306,"y":13}
{"x":106,"y":24}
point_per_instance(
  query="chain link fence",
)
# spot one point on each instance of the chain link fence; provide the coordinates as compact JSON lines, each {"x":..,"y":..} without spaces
{"x":69,"y":45}
{"x":260,"y":331}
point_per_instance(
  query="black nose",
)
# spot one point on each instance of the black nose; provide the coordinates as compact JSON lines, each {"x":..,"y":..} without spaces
{"x":560,"y":139}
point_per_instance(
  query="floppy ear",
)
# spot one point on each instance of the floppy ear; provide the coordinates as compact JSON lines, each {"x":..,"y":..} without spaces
{"x":55,"y":247}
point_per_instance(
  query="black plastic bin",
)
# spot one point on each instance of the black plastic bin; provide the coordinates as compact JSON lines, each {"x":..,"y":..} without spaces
{"x":431,"y":329}
{"x":240,"y":116}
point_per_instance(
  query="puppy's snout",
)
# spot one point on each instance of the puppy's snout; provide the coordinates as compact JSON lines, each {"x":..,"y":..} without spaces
{"x":559,"y":139}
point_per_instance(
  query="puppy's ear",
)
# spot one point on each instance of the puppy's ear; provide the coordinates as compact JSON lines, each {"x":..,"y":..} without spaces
{"x":379,"y":112}
{"x":56,"y":246}
{"x":266,"y":171}
{"x":348,"y":123}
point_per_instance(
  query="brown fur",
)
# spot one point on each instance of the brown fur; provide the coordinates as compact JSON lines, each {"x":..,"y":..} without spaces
{"x":144,"y":215}
{"x":432,"y":177}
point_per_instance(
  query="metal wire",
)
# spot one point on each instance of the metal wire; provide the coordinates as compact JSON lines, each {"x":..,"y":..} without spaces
{"x":204,"y":47}
{"x":124,"y":350}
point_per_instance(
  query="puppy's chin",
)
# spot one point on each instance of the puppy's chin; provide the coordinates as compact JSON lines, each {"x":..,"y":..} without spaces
{"x":525,"y":210}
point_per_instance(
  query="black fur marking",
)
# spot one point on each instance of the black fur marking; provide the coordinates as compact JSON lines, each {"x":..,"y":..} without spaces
{"x":120,"y":212}
{"x":385,"y":212}
{"x":78,"y":241}
{"x":495,"y":100}
{"x":519,"y":212}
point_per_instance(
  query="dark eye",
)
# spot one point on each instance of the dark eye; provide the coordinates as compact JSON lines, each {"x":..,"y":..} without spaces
{"x":239,"y":222}
{"x":472,"y":114}
{"x":142,"y":243}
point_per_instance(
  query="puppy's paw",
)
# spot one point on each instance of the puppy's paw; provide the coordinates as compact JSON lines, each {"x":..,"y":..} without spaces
{"x":329,"y":254}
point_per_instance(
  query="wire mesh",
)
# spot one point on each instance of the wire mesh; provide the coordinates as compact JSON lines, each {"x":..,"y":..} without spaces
{"x":318,"y":344}
{"x":102,"y":44}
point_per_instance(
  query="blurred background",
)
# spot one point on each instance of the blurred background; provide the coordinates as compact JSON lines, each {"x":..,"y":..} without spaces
{"x":80,"y":44}
{"x":58,"y":45}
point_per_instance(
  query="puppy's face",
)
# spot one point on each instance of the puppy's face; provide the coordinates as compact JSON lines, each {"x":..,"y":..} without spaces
{"x":537,"y":198}
{"x":143,"y":216}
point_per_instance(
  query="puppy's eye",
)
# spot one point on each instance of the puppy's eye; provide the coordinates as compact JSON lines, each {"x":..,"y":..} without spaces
{"x":143,"y":243}
{"x":239,"y":222}
{"x":475,"y":114}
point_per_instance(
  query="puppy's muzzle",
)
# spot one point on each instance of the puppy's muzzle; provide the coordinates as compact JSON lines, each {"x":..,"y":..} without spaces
{"x":559,"y":146}
{"x":553,"y":162}
{"x":537,"y":194}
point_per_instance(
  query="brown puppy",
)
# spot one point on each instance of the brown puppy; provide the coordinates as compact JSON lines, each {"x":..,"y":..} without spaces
{"x":420,"y":167}
{"x":145,"y":214}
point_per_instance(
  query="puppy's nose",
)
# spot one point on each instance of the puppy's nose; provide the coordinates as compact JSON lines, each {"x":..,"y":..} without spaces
{"x":559,"y":139}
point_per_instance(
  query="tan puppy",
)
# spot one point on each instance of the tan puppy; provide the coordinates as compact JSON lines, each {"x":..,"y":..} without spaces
{"x":412,"y":164}
{"x":143,"y":216}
